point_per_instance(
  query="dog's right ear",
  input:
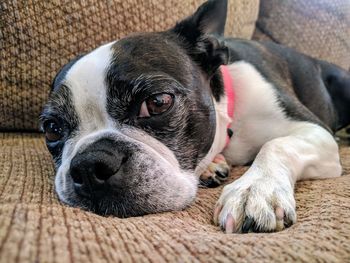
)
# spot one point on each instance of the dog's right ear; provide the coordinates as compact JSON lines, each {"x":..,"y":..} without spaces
{"x":200,"y":33}
{"x":209,"y":19}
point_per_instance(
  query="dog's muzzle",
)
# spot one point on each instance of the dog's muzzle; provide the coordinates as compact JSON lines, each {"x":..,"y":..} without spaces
{"x":121,"y":176}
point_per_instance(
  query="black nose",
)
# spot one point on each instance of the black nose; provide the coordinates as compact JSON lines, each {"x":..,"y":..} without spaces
{"x":91,"y":168}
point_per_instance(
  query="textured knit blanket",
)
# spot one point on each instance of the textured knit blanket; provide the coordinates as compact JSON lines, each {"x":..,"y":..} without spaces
{"x":35,"y":227}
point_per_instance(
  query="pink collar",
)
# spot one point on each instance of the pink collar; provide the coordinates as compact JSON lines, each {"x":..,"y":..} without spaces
{"x":230,"y":94}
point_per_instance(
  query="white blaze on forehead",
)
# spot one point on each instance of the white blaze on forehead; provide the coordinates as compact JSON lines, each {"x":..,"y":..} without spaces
{"x":86,"y":80}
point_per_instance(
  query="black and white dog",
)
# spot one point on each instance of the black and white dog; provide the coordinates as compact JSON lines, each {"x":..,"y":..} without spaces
{"x":134,"y":124}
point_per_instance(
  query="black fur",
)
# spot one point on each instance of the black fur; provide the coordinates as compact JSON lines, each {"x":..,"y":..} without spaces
{"x":337,"y":82}
{"x":135,"y":74}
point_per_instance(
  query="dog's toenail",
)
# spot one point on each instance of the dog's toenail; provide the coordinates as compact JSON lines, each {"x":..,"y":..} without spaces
{"x":221,"y":174}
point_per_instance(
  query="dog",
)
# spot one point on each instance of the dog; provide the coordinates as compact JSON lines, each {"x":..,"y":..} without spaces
{"x":136,"y":124}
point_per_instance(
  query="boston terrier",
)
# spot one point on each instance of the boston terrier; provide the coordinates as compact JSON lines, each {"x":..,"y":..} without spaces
{"x":135,"y":125}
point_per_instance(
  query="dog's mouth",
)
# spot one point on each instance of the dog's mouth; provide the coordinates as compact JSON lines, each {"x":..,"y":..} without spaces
{"x":106,"y":199}
{"x":107,"y":203}
{"x":123,"y":179}
{"x":137,"y":201}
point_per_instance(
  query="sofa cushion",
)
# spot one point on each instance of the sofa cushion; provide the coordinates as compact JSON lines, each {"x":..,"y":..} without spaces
{"x":320,"y":28}
{"x":35,"y":227}
{"x":38,"y":37}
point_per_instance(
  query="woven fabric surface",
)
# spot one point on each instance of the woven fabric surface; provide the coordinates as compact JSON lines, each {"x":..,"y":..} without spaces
{"x":38,"y":37}
{"x":319,"y":28}
{"x":35,"y":227}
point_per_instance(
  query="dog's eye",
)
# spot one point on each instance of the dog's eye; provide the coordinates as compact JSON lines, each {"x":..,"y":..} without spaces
{"x":53,"y":131}
{"x":156,"y":104}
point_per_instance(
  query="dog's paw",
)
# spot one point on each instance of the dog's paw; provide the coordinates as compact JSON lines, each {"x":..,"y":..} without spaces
{"x":216,"y":173}
{"x":255,"y":204}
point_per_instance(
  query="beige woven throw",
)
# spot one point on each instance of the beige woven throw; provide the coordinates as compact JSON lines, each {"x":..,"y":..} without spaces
{"x":35,"y":227}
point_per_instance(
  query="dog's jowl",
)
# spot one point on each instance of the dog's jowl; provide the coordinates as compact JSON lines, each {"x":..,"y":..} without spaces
{"x":136,"y":124}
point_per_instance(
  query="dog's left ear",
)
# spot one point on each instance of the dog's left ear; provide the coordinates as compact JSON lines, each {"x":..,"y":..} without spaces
{"x":201,"y":33}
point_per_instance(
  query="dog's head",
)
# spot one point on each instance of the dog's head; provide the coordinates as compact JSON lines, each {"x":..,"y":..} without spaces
{"x":130,"y":124}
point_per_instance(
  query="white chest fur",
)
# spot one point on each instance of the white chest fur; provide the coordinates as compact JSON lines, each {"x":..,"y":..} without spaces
{"x":258,"y":117}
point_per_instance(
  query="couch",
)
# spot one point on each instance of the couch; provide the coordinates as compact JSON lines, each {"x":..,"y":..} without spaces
{"x":37,"y":37}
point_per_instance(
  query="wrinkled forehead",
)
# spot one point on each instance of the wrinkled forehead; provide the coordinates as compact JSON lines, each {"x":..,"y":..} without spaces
{"x":151,"y":52}
{"x":127,"y":59}
{"x":88,"y":80}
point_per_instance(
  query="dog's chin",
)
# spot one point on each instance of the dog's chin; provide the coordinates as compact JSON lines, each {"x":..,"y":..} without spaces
{"x":173,"y":194}
{"x":106,"y":206}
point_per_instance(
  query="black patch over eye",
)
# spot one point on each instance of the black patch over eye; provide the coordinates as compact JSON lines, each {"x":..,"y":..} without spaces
{"x":53,"y":131}
{"x":156,"y":104}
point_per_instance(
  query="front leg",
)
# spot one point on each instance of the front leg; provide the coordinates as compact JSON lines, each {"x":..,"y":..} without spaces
{"x":262,"y":200}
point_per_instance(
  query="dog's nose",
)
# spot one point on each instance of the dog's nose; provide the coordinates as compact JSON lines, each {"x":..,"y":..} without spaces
{"x":91,"y":168}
